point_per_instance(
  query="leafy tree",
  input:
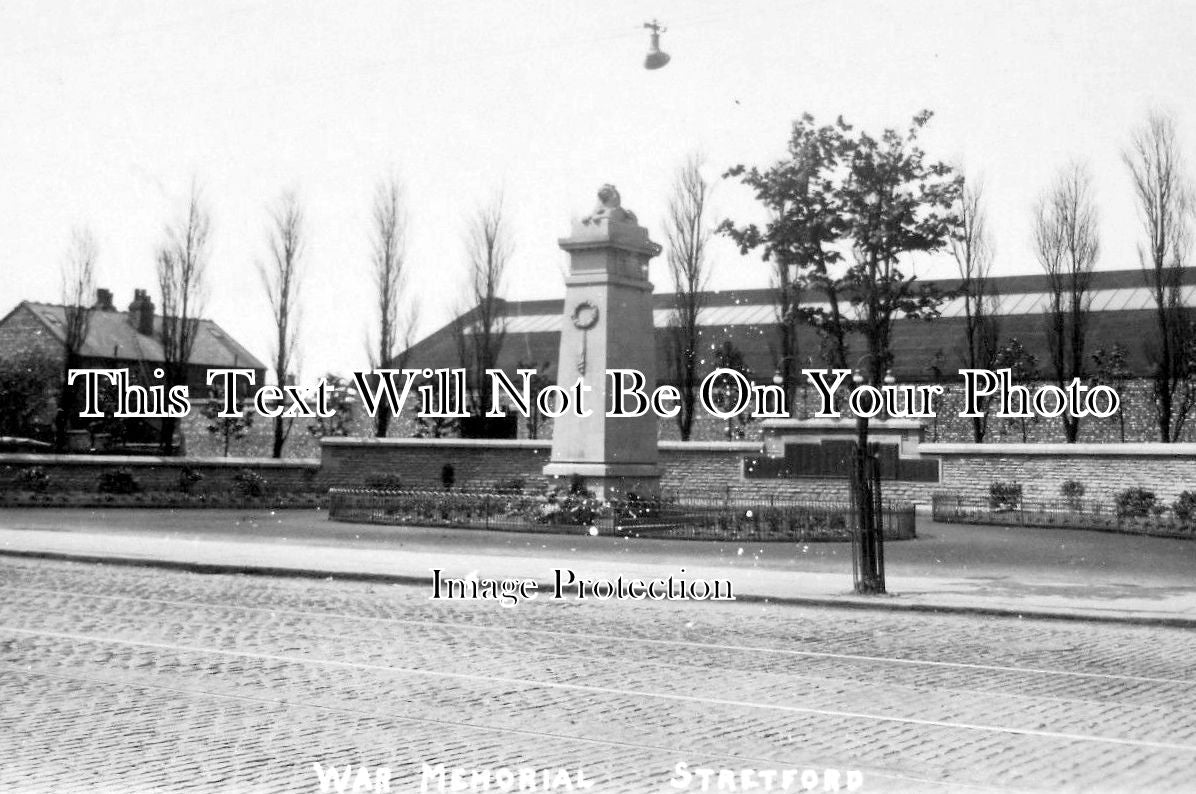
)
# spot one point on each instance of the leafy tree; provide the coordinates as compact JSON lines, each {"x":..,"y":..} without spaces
{"x":342,"y":396}
{"x":436,"y":426}
{"x":895,"y":203}
{"x":226,"y":428}
{"x":1112,"y":368}
{"x":881,"y":200}
{"x":878,"y":198}
{"x":800,"y":240}
{"x":28,"y":387}
{"x":728,"y":356}
{"x":1023,"y":369}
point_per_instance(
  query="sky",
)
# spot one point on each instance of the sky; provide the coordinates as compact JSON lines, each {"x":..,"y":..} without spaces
{"x":109,"y":111}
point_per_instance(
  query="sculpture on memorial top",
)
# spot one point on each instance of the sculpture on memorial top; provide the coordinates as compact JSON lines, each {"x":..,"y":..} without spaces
{"x":610,"y":207}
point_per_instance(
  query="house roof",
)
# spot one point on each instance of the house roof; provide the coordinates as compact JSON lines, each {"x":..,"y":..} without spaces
{"x":1120,"y":314}
{"x":111,"y":335}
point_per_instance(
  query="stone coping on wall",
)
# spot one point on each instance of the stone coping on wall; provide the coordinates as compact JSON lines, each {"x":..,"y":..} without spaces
{"x":1128,"y":449}
{"x":497,"y":443}
{"x":846,"y":422}
{"x":486,"y":443}
{"x":35,"y":459}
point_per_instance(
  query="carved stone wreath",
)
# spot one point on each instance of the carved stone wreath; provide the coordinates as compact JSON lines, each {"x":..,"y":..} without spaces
{"x":585,"y":315}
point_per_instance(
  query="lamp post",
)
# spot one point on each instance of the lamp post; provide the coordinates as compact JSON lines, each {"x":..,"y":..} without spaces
{"x":868,"y":549}
{"x":867,"y":537}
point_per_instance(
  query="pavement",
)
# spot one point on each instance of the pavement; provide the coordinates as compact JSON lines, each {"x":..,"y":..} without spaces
{"x":1012,"y":571}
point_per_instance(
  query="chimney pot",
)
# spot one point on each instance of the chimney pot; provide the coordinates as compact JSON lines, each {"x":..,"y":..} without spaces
{"x":141,"y":312}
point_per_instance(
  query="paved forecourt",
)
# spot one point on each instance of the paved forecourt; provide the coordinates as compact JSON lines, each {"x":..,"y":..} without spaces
{"x":121,"y":678}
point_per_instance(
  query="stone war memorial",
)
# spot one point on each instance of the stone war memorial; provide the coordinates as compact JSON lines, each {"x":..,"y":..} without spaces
{"x":607,"y":473}
{"x":607,"y":325}
{"x":610,"y":474}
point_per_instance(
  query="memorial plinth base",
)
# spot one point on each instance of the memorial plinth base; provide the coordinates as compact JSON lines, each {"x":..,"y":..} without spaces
{"x":610,"y":480}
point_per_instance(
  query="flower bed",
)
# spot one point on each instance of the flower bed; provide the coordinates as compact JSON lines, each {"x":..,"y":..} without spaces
{"x":1069,"y":514}
{"x":691,"y":517}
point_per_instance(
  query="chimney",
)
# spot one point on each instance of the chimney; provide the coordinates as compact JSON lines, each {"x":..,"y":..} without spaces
{"x":104,"y":300}
{"x":141,"y":313}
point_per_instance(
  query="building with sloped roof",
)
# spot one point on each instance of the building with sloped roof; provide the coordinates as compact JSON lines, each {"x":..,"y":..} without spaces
{"x":119,"y":339}
{"x":1122,"y":313}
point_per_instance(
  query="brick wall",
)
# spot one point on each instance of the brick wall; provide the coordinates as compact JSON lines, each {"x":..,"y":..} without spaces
{"x":708,"y":467}
{"x":23,"y":333}
{"x":82,"y":472}
{"x":714,"y":467}
{"x":355,"y":462}
{"x":1104,"y":469}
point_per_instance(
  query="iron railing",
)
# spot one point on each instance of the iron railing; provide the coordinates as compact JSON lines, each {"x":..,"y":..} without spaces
{"x":1065,"y":514}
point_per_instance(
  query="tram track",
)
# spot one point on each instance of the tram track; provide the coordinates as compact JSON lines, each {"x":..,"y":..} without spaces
{"x":696,"y":663}
{"x":897,"y":697}
{"x":601,"y":690}
{"x":342,"y":618}
{"x":670,"y":752}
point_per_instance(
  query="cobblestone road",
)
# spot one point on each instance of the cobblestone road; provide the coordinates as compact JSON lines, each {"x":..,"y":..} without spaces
{"x":138,"y":679}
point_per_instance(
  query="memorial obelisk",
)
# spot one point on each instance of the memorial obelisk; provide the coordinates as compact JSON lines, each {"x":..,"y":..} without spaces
{"x":607,"y":324}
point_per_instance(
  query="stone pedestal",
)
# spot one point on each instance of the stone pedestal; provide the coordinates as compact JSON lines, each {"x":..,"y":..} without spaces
{"x":607,"y":325}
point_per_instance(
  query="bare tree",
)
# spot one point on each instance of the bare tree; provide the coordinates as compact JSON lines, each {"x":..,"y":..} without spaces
{"x":1165,"y":205}
{"x":389,"y":239}
{"x":182,"y":263}
{"x":972,"y":248}
{"x":1067,"y":245}
{"x":281,"y":277}
{"x":687,"y":233}
{"x":488,"y":249}
{"x":78,"y":287}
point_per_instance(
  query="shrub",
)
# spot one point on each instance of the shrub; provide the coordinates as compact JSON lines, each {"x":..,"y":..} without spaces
{"x":513,"y":485}
{"x":1073,"y":494}
{"x":249,"y":483}
{"x":1185,"y":506}
{"x":1005,"y":495}
{"x":385,"y":482}
{"x":118,"y":481}
{"x":34,"y":479}
{"x":1072,"y":490}
{"x":1135,"y":503}
{"x":576,"y":507}
{"x":188,"y":479}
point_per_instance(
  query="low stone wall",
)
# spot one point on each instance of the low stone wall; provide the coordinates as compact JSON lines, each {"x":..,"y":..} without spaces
{"x":82,"y":472}
{"x":705,"y":466}
{"x":1103,"y":469}
{"x":353,"y":462}
{"x":715,"y":467}
{"x":711,"y":467}
{"x":418,"y":462}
